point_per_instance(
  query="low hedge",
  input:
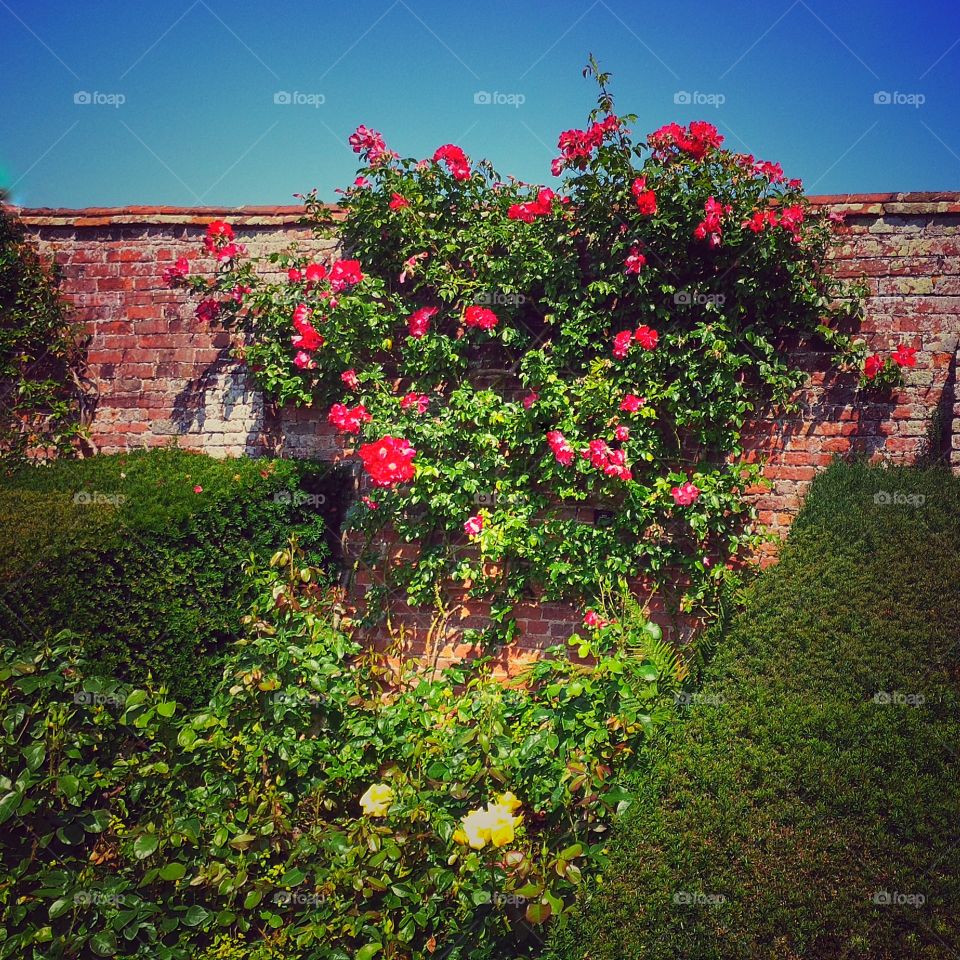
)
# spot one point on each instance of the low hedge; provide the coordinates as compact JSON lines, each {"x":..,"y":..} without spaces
{"x":806,"y":804}
{"x":139,"y":554}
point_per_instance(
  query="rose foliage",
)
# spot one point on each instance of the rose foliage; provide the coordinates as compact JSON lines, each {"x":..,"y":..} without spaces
{"x":509,"y":358}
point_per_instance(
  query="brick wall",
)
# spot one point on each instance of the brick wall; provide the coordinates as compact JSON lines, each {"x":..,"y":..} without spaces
{"x":161,"y":375}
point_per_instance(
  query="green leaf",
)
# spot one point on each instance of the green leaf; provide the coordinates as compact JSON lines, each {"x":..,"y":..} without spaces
{"x":172,"y":871}
{"x":252,"y":899}
{"x":369,"y":951}
{"x":69,"y":785}
{"x":195,"y":916}
{"x":292,"y":877}
{"x":103,"y":944}
{"x":34,"y":755}
{"x":59,"y":907}
{"x":167,"y":708}
{"x":145,"y":845}
{"x":538,"y":912}
{"x":8,"y":804}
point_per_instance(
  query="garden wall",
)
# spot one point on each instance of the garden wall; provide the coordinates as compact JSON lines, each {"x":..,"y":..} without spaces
{"x":161,"y":375}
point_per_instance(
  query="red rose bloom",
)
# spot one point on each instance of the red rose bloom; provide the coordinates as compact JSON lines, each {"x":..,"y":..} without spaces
{"x":220,"y":229}
{"x":369,"y":142}
{"x":709,"y":228}
{"x":349,"y":377}
{"x":634,"y":263}
{"x":388,"y":461}
{"x":418,"y":322}
{"x":398,"y":202}
{"x":348,"y":420}
{"x":872,"y":366}
{"x":646,"y":337}
{"x":473,"y":526}
{"x":419,"y":400}
{"x":345,"y":273}
{"x":529,"y":211}
{"x":905,"y":356}
{"x":315,"y":272}
{"x":480,"y":317}
{"x":208,"y":309}
{"x":685,"y":494}
{"x":455,"y":159}
{"x":562,"y":450}
{"x":632,"y":403}
{"x":177,"y":272}
{"x":621,"y":343}
{"x":646,"y":199}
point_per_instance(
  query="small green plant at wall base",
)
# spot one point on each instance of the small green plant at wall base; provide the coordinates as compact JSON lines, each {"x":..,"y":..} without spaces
{"x":322,"y":805}
{"x":507,"y":358}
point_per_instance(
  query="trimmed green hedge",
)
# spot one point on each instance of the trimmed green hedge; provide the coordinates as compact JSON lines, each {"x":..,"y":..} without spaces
{"x":808,"y":781}
{"x":122,"y":551}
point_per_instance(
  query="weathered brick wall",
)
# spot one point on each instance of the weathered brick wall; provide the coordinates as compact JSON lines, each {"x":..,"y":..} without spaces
{"x":162,"y":375}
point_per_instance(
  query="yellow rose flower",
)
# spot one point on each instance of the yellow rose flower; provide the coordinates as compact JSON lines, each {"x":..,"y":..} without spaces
{"x":376,"y":801}
{"x":474,"y":829}
{"x":494,"y":824}
{"x":501,"y":824}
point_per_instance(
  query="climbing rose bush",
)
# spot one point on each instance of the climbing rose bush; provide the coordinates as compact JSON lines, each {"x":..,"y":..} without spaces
{"x":584,"y":357}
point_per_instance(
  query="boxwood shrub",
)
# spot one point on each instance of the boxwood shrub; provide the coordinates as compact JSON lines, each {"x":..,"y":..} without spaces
{"x":139,"y":555}
{"x":806,"y":803}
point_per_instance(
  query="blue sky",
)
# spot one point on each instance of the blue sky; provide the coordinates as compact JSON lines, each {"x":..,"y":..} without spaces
{"x":177,"y":99}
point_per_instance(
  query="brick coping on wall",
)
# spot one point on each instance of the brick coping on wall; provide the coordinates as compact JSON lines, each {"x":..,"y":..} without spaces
{"x":852,"y":203}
